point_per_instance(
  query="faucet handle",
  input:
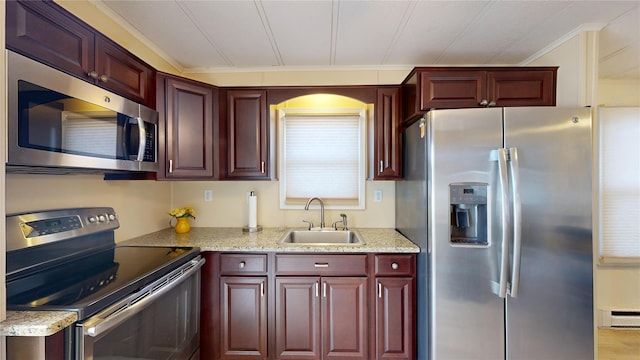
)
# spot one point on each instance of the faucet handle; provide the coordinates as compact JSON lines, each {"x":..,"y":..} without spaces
{"x":344,"y":221}
{"x":335,"y":224}
{"x":310,"y":224}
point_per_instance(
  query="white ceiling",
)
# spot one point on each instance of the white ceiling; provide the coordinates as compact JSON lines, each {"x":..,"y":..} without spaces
{"x":385,"y":34}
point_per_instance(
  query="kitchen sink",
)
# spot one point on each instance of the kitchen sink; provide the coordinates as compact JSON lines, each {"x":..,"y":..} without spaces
{"x":322,"y":237}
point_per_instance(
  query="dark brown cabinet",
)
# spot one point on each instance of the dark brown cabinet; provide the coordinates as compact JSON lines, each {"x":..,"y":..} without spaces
{"x":234,"y":306}
{"x":465,"y":87}
{"x":324,"y":314}
{"x":321,"y":317}
{"x":247,"y":135}
{"x":243,"y":318}
{"x":44,"y":31}
{"x":395,"y":294}
{"x":387,"y":135}
{"x":308,"y":306}
{"x":188,"y":125}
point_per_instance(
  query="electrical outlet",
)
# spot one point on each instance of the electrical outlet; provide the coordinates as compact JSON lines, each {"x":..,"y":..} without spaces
{"x":377,"y":196}
{"x":208,"y":195}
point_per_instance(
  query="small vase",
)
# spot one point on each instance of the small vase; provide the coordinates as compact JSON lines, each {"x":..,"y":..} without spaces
{"x":182,"y":226}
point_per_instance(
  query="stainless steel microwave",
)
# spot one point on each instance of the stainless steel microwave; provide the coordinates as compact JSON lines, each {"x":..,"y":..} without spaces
{"x":57,"y":121}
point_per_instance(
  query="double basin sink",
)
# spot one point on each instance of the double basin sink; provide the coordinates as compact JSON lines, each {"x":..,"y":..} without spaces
{"x":321,"y":237}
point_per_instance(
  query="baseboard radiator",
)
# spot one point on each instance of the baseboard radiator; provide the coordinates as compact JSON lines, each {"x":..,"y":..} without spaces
{"x":629,"y":319}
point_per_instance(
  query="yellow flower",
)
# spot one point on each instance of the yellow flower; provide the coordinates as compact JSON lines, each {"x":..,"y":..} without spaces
{"x":186,"y":211}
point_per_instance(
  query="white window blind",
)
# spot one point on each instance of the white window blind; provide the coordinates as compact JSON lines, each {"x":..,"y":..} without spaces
{"x":322,"y":155}
{"x":620,"y":182}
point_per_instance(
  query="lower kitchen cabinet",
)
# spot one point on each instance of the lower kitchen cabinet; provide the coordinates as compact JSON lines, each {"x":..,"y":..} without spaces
{"x":243,"y":321}
{"x":308,"y":306}
{"x":321,"y":318}
{"x":394,"y":318}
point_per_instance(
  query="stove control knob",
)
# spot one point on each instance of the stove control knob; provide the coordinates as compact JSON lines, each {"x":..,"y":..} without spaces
{"x":92,"y":219}
{"x":102,"y":218}
{"x":112,"y":217}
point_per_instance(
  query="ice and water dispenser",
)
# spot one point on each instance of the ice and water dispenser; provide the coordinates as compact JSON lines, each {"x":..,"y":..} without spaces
{"x":468,"y":208}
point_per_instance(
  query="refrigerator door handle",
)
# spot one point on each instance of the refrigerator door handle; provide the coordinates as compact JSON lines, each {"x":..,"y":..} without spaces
{"x":517,"y":220}
{"x":506,"y":221}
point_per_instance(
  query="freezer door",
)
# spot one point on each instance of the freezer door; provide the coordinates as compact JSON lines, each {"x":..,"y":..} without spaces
{"x":552,"y":315}
{"x":467,"y":317}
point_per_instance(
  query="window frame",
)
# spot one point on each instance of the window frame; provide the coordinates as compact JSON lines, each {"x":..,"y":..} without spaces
{"x":362,"y":114}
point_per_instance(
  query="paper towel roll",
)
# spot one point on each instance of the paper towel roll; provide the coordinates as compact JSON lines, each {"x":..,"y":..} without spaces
{"x":253,"y":210}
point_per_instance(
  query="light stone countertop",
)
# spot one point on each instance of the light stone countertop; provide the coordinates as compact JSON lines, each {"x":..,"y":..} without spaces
{"x":382,"y":240}
{"x":45,"y":323}
{"x":36,"y":323}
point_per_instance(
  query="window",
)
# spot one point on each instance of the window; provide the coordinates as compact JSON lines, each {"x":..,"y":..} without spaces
{"x":619,"y":184}
{"x":322,"y":153}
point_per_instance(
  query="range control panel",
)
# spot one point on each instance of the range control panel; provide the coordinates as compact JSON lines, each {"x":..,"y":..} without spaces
{"x":31,"y":229}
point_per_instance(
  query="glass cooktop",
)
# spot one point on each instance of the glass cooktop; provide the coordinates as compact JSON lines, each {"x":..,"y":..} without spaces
{"x":92,"y":282}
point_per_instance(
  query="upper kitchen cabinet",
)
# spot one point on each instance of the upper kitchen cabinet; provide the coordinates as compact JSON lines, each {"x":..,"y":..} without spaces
{"x":44,"y":31}
{"x":464,"y":87}
{"x":247,"y":131}
{"x":189,"y":127}
{"x":387,"y":134}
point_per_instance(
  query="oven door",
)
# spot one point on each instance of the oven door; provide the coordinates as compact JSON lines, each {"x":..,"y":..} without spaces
{"x":161,"y":321}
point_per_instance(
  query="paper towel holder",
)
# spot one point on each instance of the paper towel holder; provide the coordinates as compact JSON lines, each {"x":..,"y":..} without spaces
{"x":253,"y":224}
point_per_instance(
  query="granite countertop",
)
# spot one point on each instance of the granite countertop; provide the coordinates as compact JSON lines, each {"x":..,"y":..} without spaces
{"x":36,"y":323}
{"x":45,"y":323}
{"x":383,"y":240}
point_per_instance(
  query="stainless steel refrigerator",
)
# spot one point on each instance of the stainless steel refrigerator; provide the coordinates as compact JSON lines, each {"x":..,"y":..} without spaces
{"x":499,"y":201}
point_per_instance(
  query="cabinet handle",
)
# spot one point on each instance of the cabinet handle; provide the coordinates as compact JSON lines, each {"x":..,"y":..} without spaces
{"x":262,"y":167}
{"x":380,"y":290}
{"x":492,"y":104}
{"x":381,"y":166}
{"x":484,"y":102}
{"x":395,"y":266}
{"x":242,"y":264}
{"x":317,"y":288}
{"x":262,"y":288}
{"x":324,"y":289}
{"x":321,"y":265}
{"x":170,"y":166}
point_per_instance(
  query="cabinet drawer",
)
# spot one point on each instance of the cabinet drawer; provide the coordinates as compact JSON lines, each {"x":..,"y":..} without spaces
{"x":243,"y":264}
{"x":395,"y":265}
{"x":321,"y":265}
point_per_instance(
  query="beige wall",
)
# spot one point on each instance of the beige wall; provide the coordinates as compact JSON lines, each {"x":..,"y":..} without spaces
{"x":619,"y":92}
{"x":229,"y":205}
{"x":142,"y":205}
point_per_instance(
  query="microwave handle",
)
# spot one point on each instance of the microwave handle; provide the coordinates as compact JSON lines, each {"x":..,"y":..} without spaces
{"x":142,"y":143}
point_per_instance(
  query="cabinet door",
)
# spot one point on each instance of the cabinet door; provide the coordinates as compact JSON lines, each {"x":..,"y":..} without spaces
{"x":451,"y":89}
{"x":122,"y":73}
{"x":42,"y":31}
{"x":344,"y":317}
{"x":189,"y":130}
{"x":248,"y":140}
{"x":243,"y":318}
{"x":522,"y":87}
{"x":387,"y":135}
{"x":298,"y":318}
{"x":394,"y":318}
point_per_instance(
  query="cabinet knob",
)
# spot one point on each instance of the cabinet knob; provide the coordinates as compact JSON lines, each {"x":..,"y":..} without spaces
{"x":395,"y":266}
{"x":492,"y":104}
{"x":484,"y":102}
{"x":242,"y":264}
{"x":94,"y":75}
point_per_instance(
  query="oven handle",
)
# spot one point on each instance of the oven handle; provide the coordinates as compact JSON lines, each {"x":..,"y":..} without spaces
{"x":133,"y":304}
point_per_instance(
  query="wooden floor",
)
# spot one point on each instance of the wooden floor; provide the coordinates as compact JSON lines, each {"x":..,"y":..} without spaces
{"x":618,"y":344}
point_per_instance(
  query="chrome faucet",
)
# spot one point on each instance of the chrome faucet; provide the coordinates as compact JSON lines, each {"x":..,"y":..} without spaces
{"x":343,"y":221}
{"x":306,"y":207}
